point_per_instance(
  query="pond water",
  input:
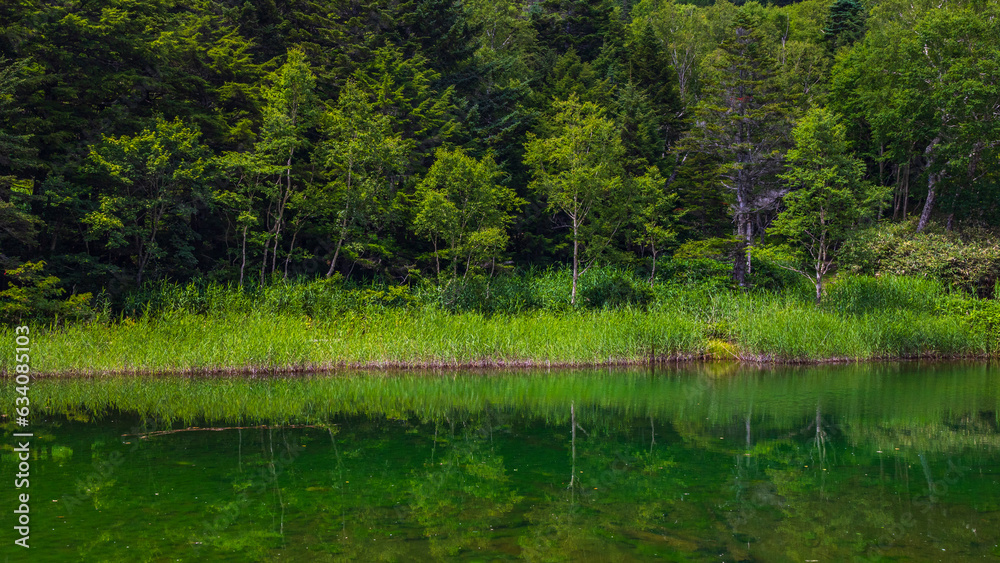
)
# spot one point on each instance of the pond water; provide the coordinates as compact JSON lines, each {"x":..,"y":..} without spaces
{"x":705,"y":462}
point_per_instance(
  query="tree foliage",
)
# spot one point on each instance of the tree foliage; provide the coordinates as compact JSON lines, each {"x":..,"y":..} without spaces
{"x":829,"y":196}
{"x":390,"y":140}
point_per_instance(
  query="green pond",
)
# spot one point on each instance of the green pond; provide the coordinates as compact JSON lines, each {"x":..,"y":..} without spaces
{"x":702,"y":462}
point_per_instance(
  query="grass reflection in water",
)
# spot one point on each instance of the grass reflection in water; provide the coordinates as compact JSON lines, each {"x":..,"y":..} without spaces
{"x":708,"y":462}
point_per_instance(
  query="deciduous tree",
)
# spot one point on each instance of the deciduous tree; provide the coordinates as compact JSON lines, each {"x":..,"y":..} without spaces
{"x":829,"y":196}
{"x":578,"y":171}
{"x":461,"y":203}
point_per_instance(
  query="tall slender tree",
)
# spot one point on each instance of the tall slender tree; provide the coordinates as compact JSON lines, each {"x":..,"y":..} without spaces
{"x":360,"y":155}
{"x":579,"y":173}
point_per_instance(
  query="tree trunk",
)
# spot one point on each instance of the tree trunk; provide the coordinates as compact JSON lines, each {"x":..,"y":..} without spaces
{"x":290,"y":249}
{"x":932,"y":180}
{"x":925,"y":215}
{"x":437,"y":258}
{"x":243,"y":264}
{"x":741,"y":260}
{"x":652,"y":274}
{"x":336,"y":253}
{"x":576,"y":262}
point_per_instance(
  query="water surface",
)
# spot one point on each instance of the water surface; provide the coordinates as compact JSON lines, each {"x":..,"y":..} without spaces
{"x":714,"y":462}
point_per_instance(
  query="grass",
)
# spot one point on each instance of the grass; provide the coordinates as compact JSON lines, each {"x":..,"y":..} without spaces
{"x":186,"y":342}
{"x":324,"y":324}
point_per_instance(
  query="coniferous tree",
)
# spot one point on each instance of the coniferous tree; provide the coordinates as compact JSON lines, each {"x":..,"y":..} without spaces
{"x":845,"y":24}
{"x":743,"y":122}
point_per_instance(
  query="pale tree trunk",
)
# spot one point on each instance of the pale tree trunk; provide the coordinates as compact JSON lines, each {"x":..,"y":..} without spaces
{"x":821,"y":263}
{"x":932,"y":180}
{"x":437,"y":258}
{"x":819,"y":280}
{"x":336,"y":253}
{"x":343,"y":224}
{"x":576,"y":261}
{"x":290,"y":249}
{"x":925,"y":215}
{"x":652,"y":274}
{"x":243,"y":264}
{"x":340,"y":243}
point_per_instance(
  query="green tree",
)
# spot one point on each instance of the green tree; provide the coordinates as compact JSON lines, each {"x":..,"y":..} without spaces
{"x":360,"y":154}
{"x":580,"y":25}
{"x":742,"y":122}
{"x":248,"y":175}
{"x":153,"y":182}
{"x":650,"y":68}
{"x":289,"y":114}
{"x":578,"y":171}
{"x":845,"y":24}
{"x":925,"y":87}
{"x":655,"y":216}
{"x":17,"y":223}
{"x":33,"y":295}
{"x":405,"y":90}
{"x":460,"y":202}
{"x":829,"y":196}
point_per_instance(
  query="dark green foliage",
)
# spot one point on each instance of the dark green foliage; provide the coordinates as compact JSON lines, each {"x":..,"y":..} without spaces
{"x":696,"y":271}
{"x":649,"y":68}
{"x":578,"y":25}
{"x":210,"y":141}
{"x":572,"y":76}
{"x":508,"y":294}
{"x":33,"y":296}
{"x":845,"y":24}
{"x":971,"y":262}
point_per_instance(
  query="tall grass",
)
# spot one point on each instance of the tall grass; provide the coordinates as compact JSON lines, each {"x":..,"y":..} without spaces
{"x":190,"y":342}
{"x":325,"y":324}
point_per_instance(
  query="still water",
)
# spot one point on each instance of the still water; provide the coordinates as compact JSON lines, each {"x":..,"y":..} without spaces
{"x":707,"y":462}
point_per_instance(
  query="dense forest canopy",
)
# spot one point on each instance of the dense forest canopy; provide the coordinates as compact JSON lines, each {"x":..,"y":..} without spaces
{"x":237,"y":141}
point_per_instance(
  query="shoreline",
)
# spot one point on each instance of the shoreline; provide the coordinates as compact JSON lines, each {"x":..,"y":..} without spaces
{"x":488,"y":366}
{"x":682,"y":325}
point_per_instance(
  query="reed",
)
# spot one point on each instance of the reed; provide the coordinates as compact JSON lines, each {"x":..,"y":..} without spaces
{"x":254,"y":342}
{"x":327,"y":324}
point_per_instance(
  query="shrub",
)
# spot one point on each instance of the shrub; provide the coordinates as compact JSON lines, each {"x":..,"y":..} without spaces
{"x":31,"y":295}
{"x":971,"y":263}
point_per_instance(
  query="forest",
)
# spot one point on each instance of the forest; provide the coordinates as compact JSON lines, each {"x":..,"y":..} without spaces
{"x":438,"y":142}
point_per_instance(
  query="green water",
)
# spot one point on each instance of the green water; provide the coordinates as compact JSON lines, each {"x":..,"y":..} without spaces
{"x":894,"y":462}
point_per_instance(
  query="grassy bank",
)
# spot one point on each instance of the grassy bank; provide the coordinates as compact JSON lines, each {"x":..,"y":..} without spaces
{"x":322,"y":325}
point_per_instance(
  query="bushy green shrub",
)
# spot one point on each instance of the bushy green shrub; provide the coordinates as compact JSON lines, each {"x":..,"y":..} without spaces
{"x":507,"y":294}
{"x":32,"y":295}
{"x":970,"y":262}
{"x":766,"y":273}
{"x":695,"y":271}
